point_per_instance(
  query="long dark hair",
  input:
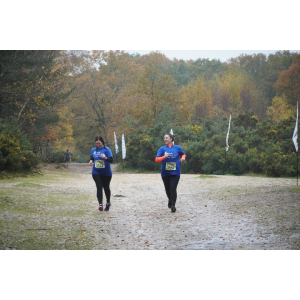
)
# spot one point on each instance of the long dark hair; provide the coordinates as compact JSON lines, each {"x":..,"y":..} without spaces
{"x":100,"y":138}
{"x":171,"y":136}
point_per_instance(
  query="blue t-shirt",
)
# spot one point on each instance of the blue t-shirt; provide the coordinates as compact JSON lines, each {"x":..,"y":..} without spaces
{"x":101,"y":166}
{"x":170,"y":165}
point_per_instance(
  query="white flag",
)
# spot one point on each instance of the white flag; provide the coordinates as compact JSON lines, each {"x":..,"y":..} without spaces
{"x":295,"y":135}
{"x":172,"y":134}
{"x":227,"y":146}
{"x":116,"y":144}
{"x":123,"y":147}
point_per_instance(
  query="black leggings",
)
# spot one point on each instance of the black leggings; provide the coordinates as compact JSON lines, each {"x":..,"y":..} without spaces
{"x":102,"y":182}
{"x":171,"y":183}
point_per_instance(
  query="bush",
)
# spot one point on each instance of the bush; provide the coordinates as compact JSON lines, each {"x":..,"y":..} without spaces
{"x":80,"y":157}
{"x":15,"y":154}
{"x":264,"y":147}
{"x":57,"y":157}
{"x":30,"y":161}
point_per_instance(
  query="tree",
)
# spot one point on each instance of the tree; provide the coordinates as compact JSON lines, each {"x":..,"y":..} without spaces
{"x":264,"y":70}
{"x":234,"y":91}
{"x":155,"y":88}
{"x":204,"y":67}
{"x":196,"y":100}
{"x":280,"y":109}
{"x":288,"y":82}
{"x":101,"y":82}
{"x":32,"y":88}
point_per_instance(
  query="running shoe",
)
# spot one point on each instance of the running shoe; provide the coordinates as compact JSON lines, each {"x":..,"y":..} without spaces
{"x":169,"y":204}
{"x":173,"y":209}
{"x":101,"y":207}
{"x":107,"y":207}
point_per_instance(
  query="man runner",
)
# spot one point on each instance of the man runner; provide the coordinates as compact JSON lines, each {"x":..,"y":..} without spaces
{"x":67,"y":158}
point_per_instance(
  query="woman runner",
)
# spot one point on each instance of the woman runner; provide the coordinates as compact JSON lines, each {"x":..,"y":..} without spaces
{"x":101,"y":157}
{"x":171,"y":156}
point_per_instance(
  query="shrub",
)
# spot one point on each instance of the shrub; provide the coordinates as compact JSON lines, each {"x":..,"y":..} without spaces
{"x":14,"y":148}
{"x":264,"y":147}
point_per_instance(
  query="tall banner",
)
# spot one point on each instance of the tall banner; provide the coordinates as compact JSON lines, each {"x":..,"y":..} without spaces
{"x":116,"y":144}
{"x":172,"y":134}
{"x":295,"y":135}
{"x":123,"y":147}
{"x":227,"y":146}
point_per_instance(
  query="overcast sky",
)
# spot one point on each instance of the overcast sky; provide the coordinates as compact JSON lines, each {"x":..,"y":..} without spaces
{"x":223,"y":55}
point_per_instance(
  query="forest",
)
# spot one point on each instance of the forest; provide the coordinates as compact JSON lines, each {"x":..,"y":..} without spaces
{"x":51,"y":101}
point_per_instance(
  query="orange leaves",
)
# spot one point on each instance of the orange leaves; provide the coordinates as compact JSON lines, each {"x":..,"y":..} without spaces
{"x":288,"y":82}
{"x":51,"y":135}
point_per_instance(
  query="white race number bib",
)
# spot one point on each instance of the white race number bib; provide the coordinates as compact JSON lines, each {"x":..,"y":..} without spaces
{"x":170,"y":166}
{"x":99,"y":164}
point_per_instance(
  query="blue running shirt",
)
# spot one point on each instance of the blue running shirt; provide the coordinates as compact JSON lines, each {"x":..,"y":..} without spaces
{"x":170,"y":165}
{"x":101,"y":166}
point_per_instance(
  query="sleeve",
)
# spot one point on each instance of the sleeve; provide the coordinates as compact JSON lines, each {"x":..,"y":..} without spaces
{"x":109,"y":153}
{"x":160,"y":152}
{"x":159,"y":159}
{"x":180,"y":151}
{"x":109,"y":159}
{"x":160,"y":155}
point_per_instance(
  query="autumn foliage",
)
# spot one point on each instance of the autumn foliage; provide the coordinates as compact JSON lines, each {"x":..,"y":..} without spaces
{"x":62,"y":99}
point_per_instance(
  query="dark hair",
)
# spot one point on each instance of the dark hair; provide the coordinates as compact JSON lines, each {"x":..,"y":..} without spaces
{"x":100,"y":138}
{"x":171,"y":136}
{"x":67,"y":150}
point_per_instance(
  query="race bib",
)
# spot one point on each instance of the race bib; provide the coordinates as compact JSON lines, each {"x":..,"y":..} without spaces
{"x":99,"y":164}
{"x":170,"y":166}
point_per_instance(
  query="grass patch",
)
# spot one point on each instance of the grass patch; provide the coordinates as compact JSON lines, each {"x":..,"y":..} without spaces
{"x":24,"y":174}
{"x":295,"y":189}
{"x":29,"y":184}
{"x":53,"y":219}
{"x":207,"y":176}
{"x":291,"y":189}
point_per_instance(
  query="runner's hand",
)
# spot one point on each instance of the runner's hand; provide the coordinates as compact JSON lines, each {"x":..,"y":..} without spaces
{"x":182,"y":159}
{"x":166,"y":154}
{"x":103,"y":156}
{"x":91,"y":163}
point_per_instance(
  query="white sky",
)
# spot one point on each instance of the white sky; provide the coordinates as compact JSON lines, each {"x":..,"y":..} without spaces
{"x":223,"y":55}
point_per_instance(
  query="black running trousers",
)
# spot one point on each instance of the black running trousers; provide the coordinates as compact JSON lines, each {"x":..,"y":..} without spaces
{"x":171,"y":183}
{"x":102,"y":182}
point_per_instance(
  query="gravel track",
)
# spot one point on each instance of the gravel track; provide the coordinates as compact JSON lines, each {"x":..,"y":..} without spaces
{"x":219,"y":213}
{"x":213,"y":212}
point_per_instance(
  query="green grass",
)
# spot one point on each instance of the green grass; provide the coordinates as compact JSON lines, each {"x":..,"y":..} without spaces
{"x":207,"y":176}
{"x":29,"y":184}
{"x":34,"y":216}
{"x":5,"y":175}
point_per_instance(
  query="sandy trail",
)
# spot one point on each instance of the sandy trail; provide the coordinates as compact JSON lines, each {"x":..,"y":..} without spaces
{"x":225,"y":212}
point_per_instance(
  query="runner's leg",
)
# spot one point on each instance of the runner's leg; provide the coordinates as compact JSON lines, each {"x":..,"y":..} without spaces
{"x":173,"y":186}
{"x":106,"y":181}
{"x":99,"y":184}
{"x":166,"y":181}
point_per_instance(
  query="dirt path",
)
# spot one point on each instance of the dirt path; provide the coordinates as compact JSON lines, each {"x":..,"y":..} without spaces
{"x":59,"y":211}
{"x":222,"y":212}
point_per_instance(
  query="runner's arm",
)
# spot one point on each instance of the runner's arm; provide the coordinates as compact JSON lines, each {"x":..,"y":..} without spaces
{"x":182,"y":158}
{"x":159,"y":159}
{"x":109,"y":159}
